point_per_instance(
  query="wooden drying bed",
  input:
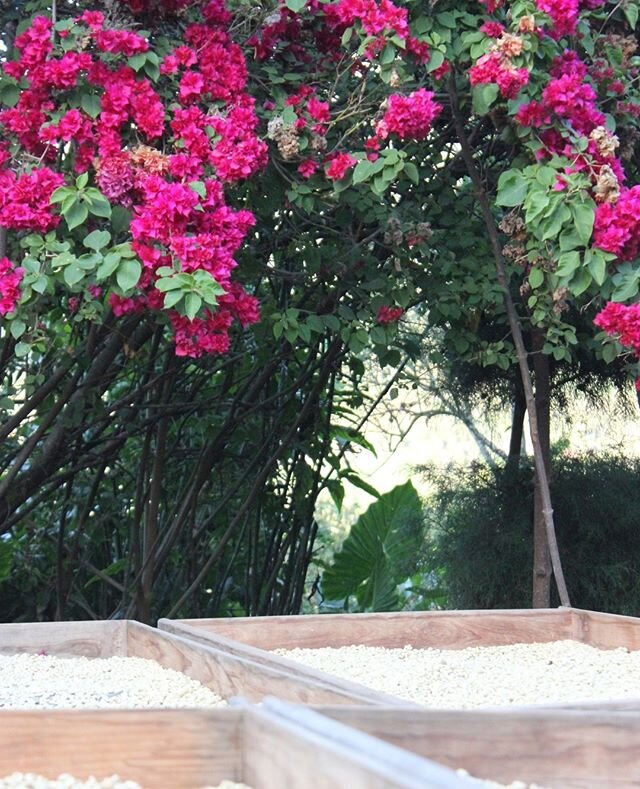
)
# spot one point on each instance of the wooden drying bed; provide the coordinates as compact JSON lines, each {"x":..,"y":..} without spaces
{"x":252,"y":638}
{"x":224,"y":672}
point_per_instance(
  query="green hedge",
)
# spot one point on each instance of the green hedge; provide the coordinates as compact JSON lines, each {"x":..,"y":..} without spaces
{"x":480,"y":533}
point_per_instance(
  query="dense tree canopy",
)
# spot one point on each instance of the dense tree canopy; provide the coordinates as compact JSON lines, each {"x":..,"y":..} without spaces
{"x":209,"y":212}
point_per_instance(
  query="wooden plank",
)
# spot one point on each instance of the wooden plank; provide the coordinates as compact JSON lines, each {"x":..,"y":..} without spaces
{"x":572,"y":750}
{"x":160,"y":749}
{"x":440,"y":629}
{"x":289,"y":746}
{"x":64,"y":639}
{"x":606,"y":631}
{"x":231,"y":675}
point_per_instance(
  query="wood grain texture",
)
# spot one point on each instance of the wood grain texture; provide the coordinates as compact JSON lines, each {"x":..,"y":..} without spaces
{"x":562,"y":749}
{"x":606,"y":631}
{"x":230,"y":675}
{"x":440,"y":629}
{"x":64,"y":639}
{"x":294,"y":748}
{"x":164,"y":749}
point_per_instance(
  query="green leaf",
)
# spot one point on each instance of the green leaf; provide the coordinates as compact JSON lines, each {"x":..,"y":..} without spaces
{"x":380,"y":552}
{"x":631,"y":13}
{"x":483,"y":97}
{"x":363,"y":171}
{"x":568,"y":263}
{"x":76,"y":214}
{"x":18,"y":328}
{"x":108,"y":266}
{"x":98,"y":239}
{"x":581,"y":282}
{"x":73,"y":274}
{"x":128,"y":274}
{"x":536,"y":277}
{"x":358,"y":482}
{"x":82,"y":180}
{"x":199,"y":188}
{"x":597,"y":265}
{"x":168,"y":283}
{"x":583,"y":216}
{"x":137,"y":61}
{"x":512,"y":188}
{"x":172,"y":298}
{"x":9,"y":94}
{"x":295,"y":5}
{"x":412,"y":172}
{"x":100,"y":207}
{"x":90,"y":103}
{"x":192,"y":303}
{"x":336,"y":490}
{"x":61,"y":194}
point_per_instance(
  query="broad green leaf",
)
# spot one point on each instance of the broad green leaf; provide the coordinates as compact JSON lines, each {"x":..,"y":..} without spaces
{"x":9,"y":95}
{"x":101,"y":208}
{"x":128,"y":274}
{"x":98,"y":239}
{"x":363,"y":171}
{"x":73,"y":274}
{"x":137,"y":61}
{"x":512,"y":188}
{"x":108,"y":266}
{"x":76,"y":214}
{"x":168,"y":283}
{"x":90,"y":104}
{"x":536,"y":277}
{"x":379,"y":553}
{"x":295,"y":5}
{"x":172,"y":298}
{"x":583,"y":216}
{"x":18,"y":328}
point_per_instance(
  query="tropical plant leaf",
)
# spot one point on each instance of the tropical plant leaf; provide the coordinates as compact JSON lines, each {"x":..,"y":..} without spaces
{"x":379,"y":553}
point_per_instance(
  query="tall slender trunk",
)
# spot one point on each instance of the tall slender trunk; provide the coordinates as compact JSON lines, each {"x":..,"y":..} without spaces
{"x":516,"y":333}
{"x":541,"y":592}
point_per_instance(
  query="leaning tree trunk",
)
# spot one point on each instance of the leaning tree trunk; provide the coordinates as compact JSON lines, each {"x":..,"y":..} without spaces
{"x":541,"y":591}
{"x":516,"y":333}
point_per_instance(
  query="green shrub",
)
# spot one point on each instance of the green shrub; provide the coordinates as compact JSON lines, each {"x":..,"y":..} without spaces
{"x":480,"y":533}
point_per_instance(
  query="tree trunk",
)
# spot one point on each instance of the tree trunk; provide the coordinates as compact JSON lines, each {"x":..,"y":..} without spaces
{"x":541,"y":592}
{"x":517,"y":428}
{"x":516,"y":333}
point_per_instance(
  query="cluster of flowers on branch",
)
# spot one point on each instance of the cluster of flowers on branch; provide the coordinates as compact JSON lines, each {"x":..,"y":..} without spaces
{"x":165,"y":163}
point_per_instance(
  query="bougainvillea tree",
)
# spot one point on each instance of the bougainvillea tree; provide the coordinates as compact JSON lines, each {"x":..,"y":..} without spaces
{"x":175,"y":173}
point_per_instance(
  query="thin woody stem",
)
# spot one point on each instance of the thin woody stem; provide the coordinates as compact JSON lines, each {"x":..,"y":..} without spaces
{"x":516,"y":332}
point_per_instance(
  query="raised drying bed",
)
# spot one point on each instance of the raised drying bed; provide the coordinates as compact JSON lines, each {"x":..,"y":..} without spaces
{"x":168,"y":749}
{"x":560,"y":749}
{"x":223,"y":672}
{"x":255,"y":638}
